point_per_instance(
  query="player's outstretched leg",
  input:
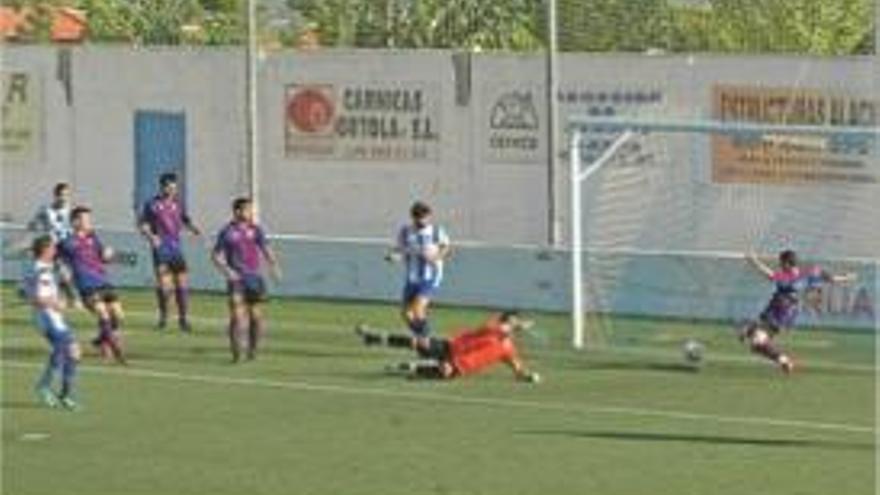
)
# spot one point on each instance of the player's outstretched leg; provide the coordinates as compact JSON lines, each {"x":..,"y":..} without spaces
{"x":424,"y":368}
{"x":373,"y":337}
{"x":761,"y":343}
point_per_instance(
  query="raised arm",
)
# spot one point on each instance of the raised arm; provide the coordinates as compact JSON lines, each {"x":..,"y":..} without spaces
{"x":759,"y":265}
{"x":842,"y":278}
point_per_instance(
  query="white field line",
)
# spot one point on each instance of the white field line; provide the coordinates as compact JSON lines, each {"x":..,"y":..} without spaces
{"x":435,"y":398}
{"x":144,"y":316}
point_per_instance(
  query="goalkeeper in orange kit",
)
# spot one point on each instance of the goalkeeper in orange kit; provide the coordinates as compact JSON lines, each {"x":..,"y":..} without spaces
{"x":469,"y":351}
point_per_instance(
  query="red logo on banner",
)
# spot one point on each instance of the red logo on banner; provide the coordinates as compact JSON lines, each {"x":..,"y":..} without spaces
{"x":310,"y":110}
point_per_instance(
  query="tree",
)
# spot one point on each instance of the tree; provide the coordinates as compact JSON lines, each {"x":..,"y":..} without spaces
{"x":614,"y":25}
{"x":819,"y":27}
{"x":504,"y":24}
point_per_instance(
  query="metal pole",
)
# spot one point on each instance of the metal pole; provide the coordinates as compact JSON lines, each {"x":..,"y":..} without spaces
{"x":577,"y":262}
{"x":577,"y":243}
{"x":876,"y":90}
{"x":552,"y":83}
{"x":251,"y":84}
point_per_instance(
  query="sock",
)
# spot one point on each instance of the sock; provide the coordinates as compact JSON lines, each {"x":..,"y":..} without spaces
{"x":115,"y":322}
{"x":372,"y":338}
{"x":181,"y":296}
{"x":428,"y":370}
{"x":255,"y":331}
{"x":105,"y":328}
{"x":68,"y":373}
{"x":769,"y":350}
{"x":397,"y":340}
{"x":114,"y":342}
{"x":162,"y":297}
{"x":45,"y":380}
{"x":235,"y":332}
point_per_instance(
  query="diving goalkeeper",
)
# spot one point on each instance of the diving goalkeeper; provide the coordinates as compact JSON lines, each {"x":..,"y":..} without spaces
{"x":467,"y":352}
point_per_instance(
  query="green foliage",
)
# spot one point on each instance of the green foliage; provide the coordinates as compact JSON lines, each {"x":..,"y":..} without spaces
{"x":613,"y":25}
{"x":111,"y":20}
{"x":474,"y":24}
{"x":820,"y":27}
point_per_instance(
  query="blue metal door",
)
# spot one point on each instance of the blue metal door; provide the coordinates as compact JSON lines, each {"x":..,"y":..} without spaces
{"x":159,"y":147}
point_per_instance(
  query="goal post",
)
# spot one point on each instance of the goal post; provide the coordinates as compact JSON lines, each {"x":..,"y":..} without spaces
{"x":623,"y":133}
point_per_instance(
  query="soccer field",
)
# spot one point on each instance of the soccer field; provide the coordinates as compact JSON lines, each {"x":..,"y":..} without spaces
{"x":316,"y":414}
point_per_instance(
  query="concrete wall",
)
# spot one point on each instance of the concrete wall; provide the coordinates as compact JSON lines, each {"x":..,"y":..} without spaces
{"x":89,"y":138}
{"x":483,"y":165}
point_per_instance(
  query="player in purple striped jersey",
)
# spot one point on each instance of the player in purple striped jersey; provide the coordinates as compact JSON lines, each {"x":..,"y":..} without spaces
{"x":423,"y":247}
{"x":238,"y":254}
{"x":781,"y":312}
{"x":161,"y":222}
{"x":87,"y":256}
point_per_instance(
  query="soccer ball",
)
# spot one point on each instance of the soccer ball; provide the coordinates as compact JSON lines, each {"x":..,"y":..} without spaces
{"x":692,"y":351}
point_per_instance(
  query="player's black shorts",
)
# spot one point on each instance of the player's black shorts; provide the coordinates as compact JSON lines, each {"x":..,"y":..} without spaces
{"x":251,"y":287}
{"x":104,"y":292}
{"x":780,"y":314}
{"x":171,"y":258}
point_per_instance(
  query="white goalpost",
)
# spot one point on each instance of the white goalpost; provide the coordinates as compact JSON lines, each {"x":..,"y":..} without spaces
{"x":705,"y":244}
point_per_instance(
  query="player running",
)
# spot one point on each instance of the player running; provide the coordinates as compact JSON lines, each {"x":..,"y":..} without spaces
{"x":466,"y":353}
{"x":423,"y":247}
{"x":53,"y":219}
{"x":41,"y":289}
{"x":781,"y":313}
{"x":161,"y":222}
{"x":84,"y":252}
{"x":241,"y":246}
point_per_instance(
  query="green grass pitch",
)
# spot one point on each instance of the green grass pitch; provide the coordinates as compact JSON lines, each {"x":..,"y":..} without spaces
{"x":315,"y":414}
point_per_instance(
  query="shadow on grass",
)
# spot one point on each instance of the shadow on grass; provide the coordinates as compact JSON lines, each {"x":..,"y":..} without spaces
{"x":641,"y":437}
{"x":725,"y":367}
{"x":638,"y":366}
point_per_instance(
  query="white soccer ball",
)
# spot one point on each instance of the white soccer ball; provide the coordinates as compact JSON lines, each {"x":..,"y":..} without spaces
{"x":693,"y":351}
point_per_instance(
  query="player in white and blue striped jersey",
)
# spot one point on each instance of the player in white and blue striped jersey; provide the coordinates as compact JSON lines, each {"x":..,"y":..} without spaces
{"x":41,"y":289}
{"x":53,"y":219}
{"x":423,"y":247}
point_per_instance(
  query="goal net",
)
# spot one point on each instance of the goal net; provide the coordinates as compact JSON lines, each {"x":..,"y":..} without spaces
{"x":663,"y":212}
